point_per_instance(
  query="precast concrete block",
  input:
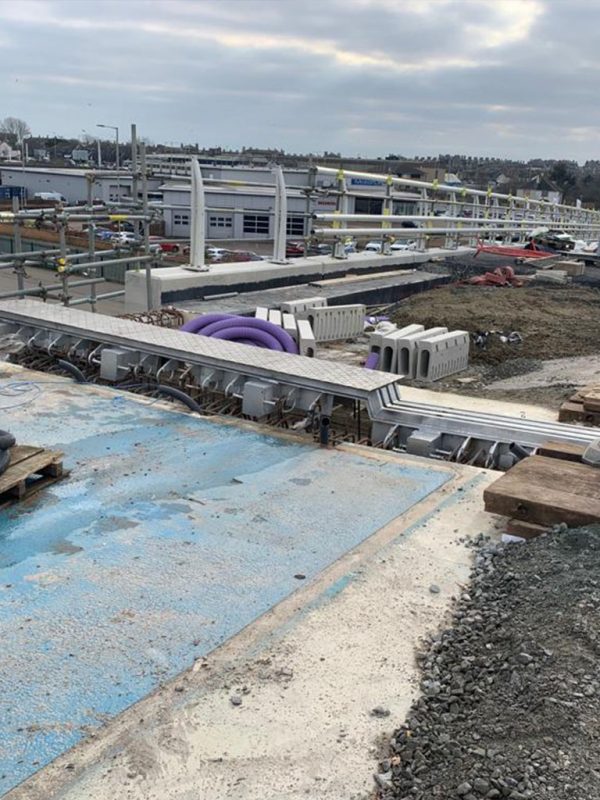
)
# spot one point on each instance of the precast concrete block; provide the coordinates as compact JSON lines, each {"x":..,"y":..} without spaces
{"x":262,"y":313}
{"x":290,"y":325}
{"x":377,"y":340}
{"x":336,"y":322}
{"x":439,"y":356}
{"x":297,"y":307}
{"x":275,"y":317}
{"x":405,"y":362}
{"x":307,"y":345}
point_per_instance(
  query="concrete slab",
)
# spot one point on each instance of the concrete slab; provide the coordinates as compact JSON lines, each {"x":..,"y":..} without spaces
{"x":176,"y":284}
{"x":309,"y":673}
{"x":172,"y":534}
{"x":371,"y":289}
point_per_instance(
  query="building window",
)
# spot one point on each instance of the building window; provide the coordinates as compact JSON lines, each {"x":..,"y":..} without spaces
{"x":220,"y":222}
{"x":181,"y":219}
{"x":367,"y":205}
{"x":256,"y":223}
{"x":295,"y":226}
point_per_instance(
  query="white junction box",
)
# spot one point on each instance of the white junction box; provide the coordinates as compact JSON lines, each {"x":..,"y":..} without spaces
{"x":258,"y":399}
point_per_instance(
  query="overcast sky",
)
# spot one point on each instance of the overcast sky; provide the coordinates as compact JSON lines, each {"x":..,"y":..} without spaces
{"x":515,"y":78}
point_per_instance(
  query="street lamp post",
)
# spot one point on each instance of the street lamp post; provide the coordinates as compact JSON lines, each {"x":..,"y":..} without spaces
{"x":116,"y":130}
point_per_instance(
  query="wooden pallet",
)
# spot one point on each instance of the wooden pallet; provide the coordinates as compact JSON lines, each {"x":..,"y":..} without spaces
{"x":583,"y":406}
{"x":30,"y":469}
{"x":547,"y":491}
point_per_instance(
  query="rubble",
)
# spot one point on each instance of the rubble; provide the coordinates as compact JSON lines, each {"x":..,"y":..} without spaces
{"x":509,"y":705}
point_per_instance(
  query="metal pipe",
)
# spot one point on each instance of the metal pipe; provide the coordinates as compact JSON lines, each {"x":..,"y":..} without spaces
{"x":406,"y":233}
{"x":326,"y":217}
{"x":439,"y":187}
{"x":45,"y":289}
{"x":28,"y":254}
{"x":198,"y":218}
{"x":107,"y":296}
{"x":112,"y":262}
{"x":146,"y":227}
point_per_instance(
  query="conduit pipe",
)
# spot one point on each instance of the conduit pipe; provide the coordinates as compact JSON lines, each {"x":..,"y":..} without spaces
{"x":242,"y":330}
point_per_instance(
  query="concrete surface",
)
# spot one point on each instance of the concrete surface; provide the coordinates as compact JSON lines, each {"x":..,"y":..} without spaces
{"x":578,"y":371}
{"x":171,"y":536}
{"x":374,"y":289}
{"x":176,"y":284}
{"x":36,"y":275}
{"x":309,"y":672}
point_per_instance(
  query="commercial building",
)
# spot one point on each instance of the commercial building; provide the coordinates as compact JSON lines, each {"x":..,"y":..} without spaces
{"x":240,"y":201}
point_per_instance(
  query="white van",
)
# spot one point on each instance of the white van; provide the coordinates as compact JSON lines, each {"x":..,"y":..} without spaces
{"x":53,"y":197}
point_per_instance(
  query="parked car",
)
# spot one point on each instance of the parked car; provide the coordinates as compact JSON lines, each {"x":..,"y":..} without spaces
{"x":126,"y":238}
{"x":52,"y":197}
{"x":551,"y":240}
{"x":167,"y":246}
{"x":216,"y":253}
{"x":375,"y":246}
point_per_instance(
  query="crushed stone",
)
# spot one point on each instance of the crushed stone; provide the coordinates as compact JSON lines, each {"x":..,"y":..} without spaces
{"x":510,"y":699}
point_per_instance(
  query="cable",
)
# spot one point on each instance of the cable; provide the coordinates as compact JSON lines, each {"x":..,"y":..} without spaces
{"x":73,"y":371}
{"x":168,"y":390}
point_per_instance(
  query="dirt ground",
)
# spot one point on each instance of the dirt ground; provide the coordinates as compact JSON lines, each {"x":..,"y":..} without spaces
{"x":510,"y":691}
{"x":554,"y":322}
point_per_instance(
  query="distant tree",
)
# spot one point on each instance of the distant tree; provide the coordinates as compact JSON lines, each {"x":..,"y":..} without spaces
{"x":13,"y":126}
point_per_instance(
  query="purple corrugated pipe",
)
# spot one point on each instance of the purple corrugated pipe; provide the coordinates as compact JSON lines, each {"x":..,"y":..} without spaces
{"x":212,"y":324}
{"x":372,"y":361}
{"x":239,"y":333}
{"x":198,"y":323}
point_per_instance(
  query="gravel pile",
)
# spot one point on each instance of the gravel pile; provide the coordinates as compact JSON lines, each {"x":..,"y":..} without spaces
{"x":510,"y":698}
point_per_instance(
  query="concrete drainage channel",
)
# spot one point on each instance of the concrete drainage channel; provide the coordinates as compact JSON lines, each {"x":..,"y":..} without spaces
{"x":274,"y":387}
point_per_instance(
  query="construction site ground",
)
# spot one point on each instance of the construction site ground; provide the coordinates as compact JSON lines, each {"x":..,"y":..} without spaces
{"x":559,"y":327}
{"x":203,"y":642}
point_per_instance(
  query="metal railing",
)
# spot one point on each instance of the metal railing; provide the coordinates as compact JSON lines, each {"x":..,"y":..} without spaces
{"x":66,"y":263}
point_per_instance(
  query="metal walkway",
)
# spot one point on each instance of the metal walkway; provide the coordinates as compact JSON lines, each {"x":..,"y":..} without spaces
{"x":296,"y":382}
{"x":307,"y":373}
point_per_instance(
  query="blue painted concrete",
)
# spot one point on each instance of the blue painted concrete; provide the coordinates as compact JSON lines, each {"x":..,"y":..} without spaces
{"x":170,"y":536}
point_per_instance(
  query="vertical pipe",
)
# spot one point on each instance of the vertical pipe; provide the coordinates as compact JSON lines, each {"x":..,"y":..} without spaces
{"x":91,"y":242}
{"x":18,"y":246}
{"x":146,"y":225}
{"x":118,"y":164}
{"x":62,"y":262}
{"x":280,"y":218}
{"x":99,"y":159}
{"x":134,"y":165}
{"x":198,"y":213}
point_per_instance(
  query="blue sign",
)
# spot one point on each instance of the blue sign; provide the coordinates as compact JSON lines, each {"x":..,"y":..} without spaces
{"x":365,"y":182}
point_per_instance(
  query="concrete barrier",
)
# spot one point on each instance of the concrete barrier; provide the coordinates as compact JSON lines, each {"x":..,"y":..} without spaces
{"x":439,"y":356}
{"x":405,"y":360}
{"x":337,"y":322}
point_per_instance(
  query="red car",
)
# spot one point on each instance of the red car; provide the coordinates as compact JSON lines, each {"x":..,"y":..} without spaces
{"x":168,"y":246}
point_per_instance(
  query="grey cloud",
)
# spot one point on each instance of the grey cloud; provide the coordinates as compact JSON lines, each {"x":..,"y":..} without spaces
{"x":491,"y":78}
